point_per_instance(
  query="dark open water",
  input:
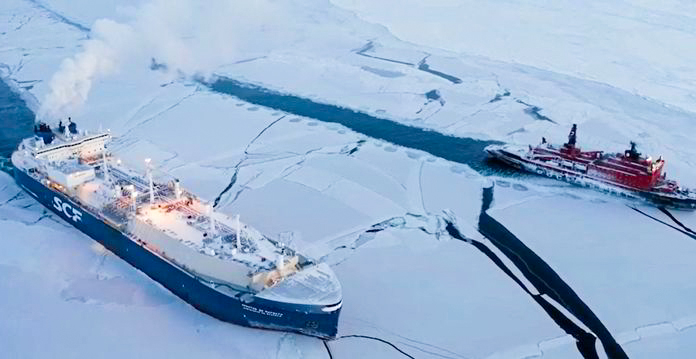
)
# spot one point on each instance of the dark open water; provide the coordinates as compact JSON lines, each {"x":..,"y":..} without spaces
{"x":464,"y":150}
{"x":16,"y":120}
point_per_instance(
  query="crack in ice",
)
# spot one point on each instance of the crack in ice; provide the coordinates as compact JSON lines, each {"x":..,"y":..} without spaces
{"x":686,"y":233}
{"x":413,"y":343}
{"x":60,"y":17}
{"x":160,"y":113}
{"x":559,"y":291}
{"x":233,"y":180}
{"x":675,"y":220}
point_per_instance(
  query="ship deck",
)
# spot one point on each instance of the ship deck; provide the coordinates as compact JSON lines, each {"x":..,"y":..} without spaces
{"x":174,"y":222}
{"x":188,"y":220}
{"x":192,"y":228}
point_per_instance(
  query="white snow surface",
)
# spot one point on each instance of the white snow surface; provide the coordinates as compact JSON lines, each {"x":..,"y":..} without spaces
{"x":410,"y":284}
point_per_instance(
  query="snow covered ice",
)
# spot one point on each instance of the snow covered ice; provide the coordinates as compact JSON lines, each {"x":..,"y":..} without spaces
{"x":376,"y":212}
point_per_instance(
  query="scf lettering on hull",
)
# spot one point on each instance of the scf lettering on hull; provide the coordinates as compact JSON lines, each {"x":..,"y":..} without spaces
{"x":67,"y":209}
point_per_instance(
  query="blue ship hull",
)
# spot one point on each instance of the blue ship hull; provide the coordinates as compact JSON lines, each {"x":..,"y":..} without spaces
{"x":242,"y":308}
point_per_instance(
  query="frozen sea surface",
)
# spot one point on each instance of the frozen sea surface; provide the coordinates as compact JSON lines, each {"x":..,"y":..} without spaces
{"x":375,"y":204}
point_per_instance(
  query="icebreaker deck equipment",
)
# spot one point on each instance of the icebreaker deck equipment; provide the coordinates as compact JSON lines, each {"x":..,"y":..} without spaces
{"x":628,"y":173}
{"x":215,"y":263}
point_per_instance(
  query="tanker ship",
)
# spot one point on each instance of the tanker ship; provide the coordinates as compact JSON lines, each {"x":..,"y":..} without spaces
{"x":214,"y":262}
{"x":629,"y":174}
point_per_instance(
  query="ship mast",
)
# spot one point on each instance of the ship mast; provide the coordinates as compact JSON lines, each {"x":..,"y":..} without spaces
{"x":238,"y":236}
{"x":106,"y":167}
{"x":149,"y":178}
{"x":134,"y":197}
{"x":572,"y":136}
{"x":212,"y":219}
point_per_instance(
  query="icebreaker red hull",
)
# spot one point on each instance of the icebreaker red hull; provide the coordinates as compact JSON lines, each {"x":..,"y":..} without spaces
{"x":626,"y":173}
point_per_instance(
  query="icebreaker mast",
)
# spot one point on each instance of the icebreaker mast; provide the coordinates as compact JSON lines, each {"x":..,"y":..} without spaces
{"x":572,"y":136}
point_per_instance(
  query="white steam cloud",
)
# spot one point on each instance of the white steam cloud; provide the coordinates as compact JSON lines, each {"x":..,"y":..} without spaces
{"x":189,"y":36}
{"x":72,"y":83}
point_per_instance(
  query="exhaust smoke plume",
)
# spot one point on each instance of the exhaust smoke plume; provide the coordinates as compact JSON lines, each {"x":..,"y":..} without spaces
{"x":190,"y":37}
{"x":71,"y":84}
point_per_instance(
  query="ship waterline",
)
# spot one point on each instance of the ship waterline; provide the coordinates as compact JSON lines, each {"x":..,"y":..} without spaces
{"x":213,"y":262}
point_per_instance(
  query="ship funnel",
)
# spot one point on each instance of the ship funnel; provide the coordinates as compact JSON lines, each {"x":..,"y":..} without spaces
{"x":72,"y":126}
